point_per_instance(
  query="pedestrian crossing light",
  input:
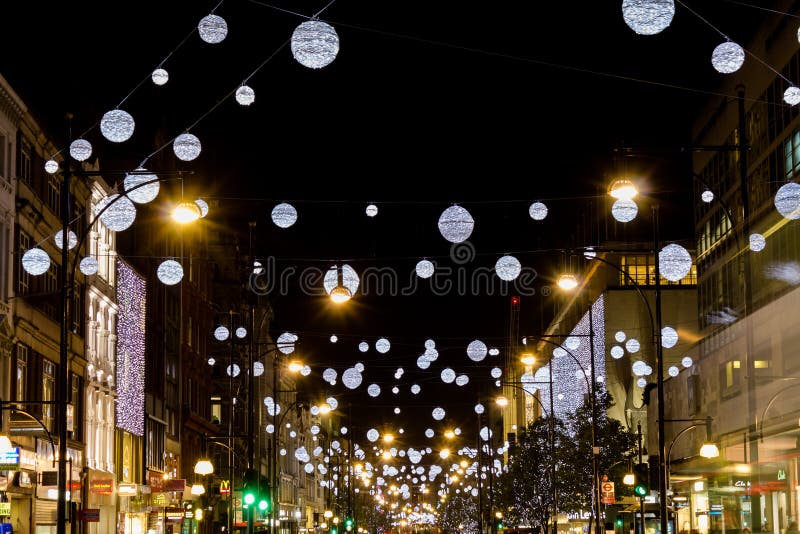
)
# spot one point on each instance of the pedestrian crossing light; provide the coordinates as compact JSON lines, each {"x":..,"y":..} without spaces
{"x":348,"y":524}
{"x":263,"y":504}
{"x":642,"y":487}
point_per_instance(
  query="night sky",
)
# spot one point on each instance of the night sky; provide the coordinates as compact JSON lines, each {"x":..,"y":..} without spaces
{"x":490,"y":105}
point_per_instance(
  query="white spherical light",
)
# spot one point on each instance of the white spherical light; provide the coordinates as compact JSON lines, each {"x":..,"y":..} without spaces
{"x":624,"y":210}
{"x":448,"y":375}
{"x":363,"y":346}
{"x":221,"y":333}
{"x":496,"y":372}
{"x":203,"y":205}
{"x":425,"y":269}
{"x":479,"y":409}
{"x":374,"y":390}
{"x":620,"y":336}
{"x":727,"y":57}
{"x":334,"y":338}
{"x":438,"y":414}
{"x":787,"y":200}
{"x":415,"y":389}
{"x":241,"y":332}
{"x":212,"y":29}
{"x":430,"y":344}
{"x":396,"y":410}
{"x":476,"y":350}
{"x":285,"y":342}
{"x":72,"y":240}
{"x":351,"y":378}
{"x":462,"y":380}
{"x":572,"y":342}
{"x":456,"y":224}
{"x":186,"y":147}
{"x":119,"y":214}
{"x":89,"y":266}
{"x":284,"y":215}
{"x":383,"y":345}
{"x":537,"y":211}
{"x":508,"y":268}
{"x":80,"y":149}
{"x":169,"y":272}
{"x":648,"y":17}
{"x":617,"y":352}
{"x":792,"y":95}
{"x":372,"y":210}
{"x":423,"y":362}
{"x":159,"y":76}
{"x":373,"y":434}
{"x":51,"y":166}
{"x":245,"y":95}
{"x":639,"y":368}
{"x":35,"y":261}
{"x":329,"y":375}
{"x":141,"y":187}
{"x":707,"y":196}
{"x":674,"y":262}
{"x":757,"y":242}
{"x":669,"y":337}
{"x":117,"y":125}
{"x":233,"y":370}
{"x":258,"y":368}
{"x":687,"y":362}
{"x":673,"y":371}
{"x":641,"y":382}
{"x":632,"y":345}
{"x":314,"y":44}
{"x":359,"y":367}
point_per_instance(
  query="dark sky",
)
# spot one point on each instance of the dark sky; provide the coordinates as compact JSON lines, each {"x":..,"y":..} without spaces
{"x":492,"y":105}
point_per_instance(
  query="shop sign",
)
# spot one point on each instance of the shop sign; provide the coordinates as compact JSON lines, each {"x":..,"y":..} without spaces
{"x":24,"y":479}
{"x":9,"y":459}
{"x":175,"y":484}
{"x":49,"y":478}
{"x":159,"y":499}
{"x":27,"y":459}
{"x":225,"y":488}
{"x":102,"y":486}
{"x":174,"y":515}
{"x":90,"y":515}
{"x":145,"y":490}
{"x":188,"y":514}
{"x":156,"y":481}
{"x":5,"y":508}
{"x":125,"y":490}
{"x":781,"y":474}
{"x":607,"y":492}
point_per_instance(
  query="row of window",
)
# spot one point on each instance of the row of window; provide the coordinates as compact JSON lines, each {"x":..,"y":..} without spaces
{"x":640,"y":270}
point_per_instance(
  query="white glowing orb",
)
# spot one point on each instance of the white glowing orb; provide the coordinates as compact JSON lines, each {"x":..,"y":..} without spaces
{"x":363,"y":346}
{"x":686,"y":362}
{"x":572,"y":342}
{"x":270,"y":429}
{"x":329,"y":375}
{"x":285,"y":342}
{"x":639,"y":368}
{"x":117,"y":125}
{"x":245,"y":95}
{"x":89,"y":266}
{"x":537,"y":211}
{"x":308,"y":468}
{"x":334,"y":339}
{"x":431,"y":355}
{"x":617,"y":352}
{"x":673,"y":371}
{"x":476,"y":350}
{"x":258,"y":368}
{"x":757,"y":242}
{"x":648,"y":17}
{"x":496,"y":372}
{"x":429,"y":433}
{"x":430,"y":344}
{"x":241,"y":332}
{"x":787,"y":200}
{"x":485,"y":433}
{"x":479,"y":409}
{"x":707,"y":196}
{"x":620,"y":336}
{"x":632,"y":345}
{"x":727,"y":57}
{"x":116,"y":212}
{"x":159,"y":76}
{"x":35,"y":261}
{"x":456,"y":224}
{"x":211,"y":361}
{"x":415,"y":389}
{"x":372,"y":210}
{"x":170,"y":272}
{"x":397,"y":411}
{"x":221,"y":333}
{"x":305,"y":371}
{"x":351,"y":378}
{"x":359,"y":367}
{"x":72,"y":241}
{"x":383,"y":345}
{"x":674,"y":262}
{"x":448,"y":375}
{"x":624,"y":210}
{"x":186,"y":147}
{"x":423,"y":362}
{"x":284,"y":215}
{"x":374,"y":390}
{"x":233,"y":370}
{"x":314,"y":44}
{"x":212,"y":29}
{"x":80,"y":149}
{"x":462,"y":380}
{"x":558,"y":352}
{"x":51,"y":166}
{"x":669,"y":337}
{"x":425,"y":269}
{"x":373,"y":434}
{"x":140,"y":186}
{"x":438,"y":414}
{"x":641,"y":382}
{"x":349,"y":279}
{"x":508,"y":268}
{"x":792,"y":95}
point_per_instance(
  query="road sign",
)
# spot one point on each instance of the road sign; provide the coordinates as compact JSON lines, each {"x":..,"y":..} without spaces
{"x":607,"y":493}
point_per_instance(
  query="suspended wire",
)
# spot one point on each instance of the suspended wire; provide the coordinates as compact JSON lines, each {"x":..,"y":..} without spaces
{"x":763,"y":8}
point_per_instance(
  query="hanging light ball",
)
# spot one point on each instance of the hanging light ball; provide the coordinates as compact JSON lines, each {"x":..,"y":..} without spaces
{"x":351,"y":378}
{"x":641,"y":382}
{"x":258,"y":368}
{"x":792,"y":95}
{"x":673,"y":371}
{"x":648,"y":17}
{"x":448,"y":375}
{"x":314,"y":44}
{"x":117,"y":125}
{"x":687,"y":362}
{"x":203,"y":205}
{"x":383,"y":345}
{"x":425,"y":269}
{"x":170,"y":272}
{"x":160,"y":76}
{"x":51,"y":166}
{"x":35,"y":261}
{"x":479,"y":409}
{"x":617,"y":352}
{"x":456,"y":224}
{"x":334,"y":339}
{"x":140,"y":186}
{"x":508,"y":268}
{"x":727,"y":57}
{"x":241,"y":332}
{"x":186,"y":147}
{"x":674,"y":262}
{"x":212,"y":29}
{"x":372,"y":210}
{"x":373,"y":435}
{"x":496,"y":372}
{"x":787,"y":200}
{"x":632,"y":345}
{"x":221,"y":333}
{"x":233,"y":370}
{"x":363,"y":346}
{"x":80,"y":149}
{"x":349,"y":280}
{"x":438,"y":414}
{"x":624,"y":210}
{"x":374,"y":390}
{"x":476,"y":350}
{"x":89,"y":266}
{"x":329,"y":375}
{"x":72,"y":240}
{"x":620,"y":336}
{"x":537,"y":211}
{"x":415,"y":389}
{"x":285,"y":342}
{"x":757,"y":242}
{"x":120,"y":213}
{"x":430,"y":344}
{"x":669,"y":337}
{"x":284,"y":215}
{"x":462,"y":380}
{"x":572,"y":342}
{"x":639,"y":368}
{"x":707,"y":196}
{"x":245,"y":95}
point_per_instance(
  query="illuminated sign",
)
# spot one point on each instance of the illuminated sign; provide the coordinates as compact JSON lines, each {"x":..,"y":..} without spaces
{"x":175,"y":484}
{"x":9,"y":459}
{"x":126,"y":490}
{"x":5,"y":508}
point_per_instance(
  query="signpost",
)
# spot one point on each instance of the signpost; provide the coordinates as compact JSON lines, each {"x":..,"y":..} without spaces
{"x":607,"y":492}
{"x":9,"y":459}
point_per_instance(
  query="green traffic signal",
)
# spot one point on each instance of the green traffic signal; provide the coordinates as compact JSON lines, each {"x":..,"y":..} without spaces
{"x":500,"y":525}
{"x":618,"y":522}
{"x":249,"y":498}
{"x":642,"y":487}
{"x":348,"y":524}
{"x":263,"y":505}
{"x":640,"y":490}
{"x":333,"y":530}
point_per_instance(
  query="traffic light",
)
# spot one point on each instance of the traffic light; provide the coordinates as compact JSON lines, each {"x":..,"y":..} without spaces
{"x":249,"y":487}
{"x":500,"y":525}
{"x":619,"y":522}
{"x":333,"y":530}
{"x":348,"y":524}
{"x":642,"y":486}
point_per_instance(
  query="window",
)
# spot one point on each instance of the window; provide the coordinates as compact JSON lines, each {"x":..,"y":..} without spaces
{"x":25,"y":158}
{"x":48,"y":392}
{"x":730,"y":378}
{"x":216,"y":410}
{"x":791,"y":153}
{"x":3,"y":156}
{"x":76,"y":398}
{"x":54,"y":194}
{"x":641,"y":270}
{"x":4,"y":259}
{"x":22,"y":373}
{"x":23,"y":278}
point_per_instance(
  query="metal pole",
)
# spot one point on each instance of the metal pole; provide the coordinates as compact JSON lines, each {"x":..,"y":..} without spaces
{"x":480,"y":482}
{"x":230,"y":425}
{"x":641,"y":499}
{"x":274,"y":497}
{"x":63,"y":361}
{"x":595,"y":448}
{"x":251,"y":409}
{"x":662,"y":450}
{"x":553,"y":453}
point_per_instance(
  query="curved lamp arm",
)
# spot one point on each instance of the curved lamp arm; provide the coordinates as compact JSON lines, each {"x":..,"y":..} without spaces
{"x":768,"y":406}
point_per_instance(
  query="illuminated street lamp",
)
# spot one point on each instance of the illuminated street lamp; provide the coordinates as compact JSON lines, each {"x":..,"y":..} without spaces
{"x":622,"y":189}
{"x":567,"y":281}
{"x":186,"y":212}
{"x":501,"y":401}
{"x":528,"y":358}
{"x":295,"y":366}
